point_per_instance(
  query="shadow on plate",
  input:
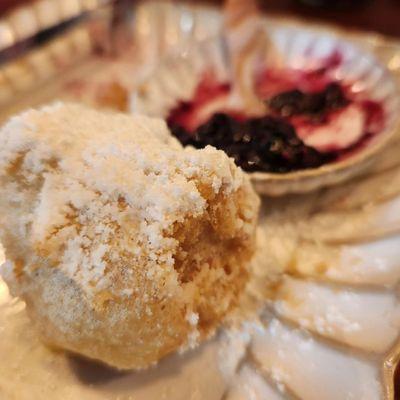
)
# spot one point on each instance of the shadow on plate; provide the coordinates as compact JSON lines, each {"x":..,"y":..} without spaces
{"x":90,"y":372}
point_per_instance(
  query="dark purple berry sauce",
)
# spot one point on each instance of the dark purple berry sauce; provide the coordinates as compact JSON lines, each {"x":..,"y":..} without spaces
{"x":317,"y":104}
{"x":269,"y":143}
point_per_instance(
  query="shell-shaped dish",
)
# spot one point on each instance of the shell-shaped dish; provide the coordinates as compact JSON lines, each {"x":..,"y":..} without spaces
{"x":176,"y":78}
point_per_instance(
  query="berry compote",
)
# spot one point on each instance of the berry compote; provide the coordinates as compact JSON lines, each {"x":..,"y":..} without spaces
{"x":310,"y":121}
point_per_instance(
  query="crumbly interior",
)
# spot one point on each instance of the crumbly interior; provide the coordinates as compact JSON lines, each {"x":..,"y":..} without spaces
{"x":123,"y":245}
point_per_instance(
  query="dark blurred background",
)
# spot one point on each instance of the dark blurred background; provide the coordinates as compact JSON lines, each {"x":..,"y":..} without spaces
{"x":374,"y":15}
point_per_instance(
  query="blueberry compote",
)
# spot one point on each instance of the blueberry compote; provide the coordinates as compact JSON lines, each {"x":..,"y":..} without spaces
{"x":317,"y":104}
{"x":268,"y":143}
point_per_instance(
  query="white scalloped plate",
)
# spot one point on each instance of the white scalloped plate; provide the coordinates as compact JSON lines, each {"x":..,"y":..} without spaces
{"x":294,"y":48}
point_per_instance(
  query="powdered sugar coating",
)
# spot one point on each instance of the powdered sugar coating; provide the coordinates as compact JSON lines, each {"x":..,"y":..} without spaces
{"x":139,"y":232}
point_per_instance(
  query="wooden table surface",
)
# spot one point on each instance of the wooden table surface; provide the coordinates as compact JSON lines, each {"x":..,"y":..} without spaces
{"x":375,"y":15}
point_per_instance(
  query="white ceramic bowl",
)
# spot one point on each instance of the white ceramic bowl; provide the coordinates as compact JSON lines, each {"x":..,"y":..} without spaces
{"x":177,"y":76}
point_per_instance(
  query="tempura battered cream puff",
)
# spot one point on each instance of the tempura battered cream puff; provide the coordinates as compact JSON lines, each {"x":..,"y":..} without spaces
{"x":124,"y":245}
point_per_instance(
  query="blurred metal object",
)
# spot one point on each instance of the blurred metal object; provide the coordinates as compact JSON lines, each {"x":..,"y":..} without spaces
{"x":33,"y":23}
